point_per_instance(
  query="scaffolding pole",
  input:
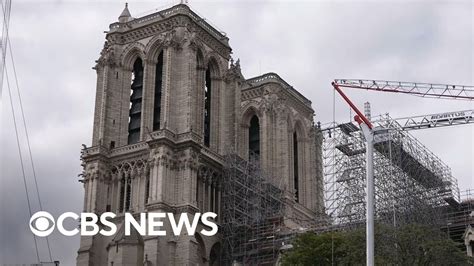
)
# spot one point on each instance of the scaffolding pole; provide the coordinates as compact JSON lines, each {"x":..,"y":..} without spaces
{"x":252,"y":214}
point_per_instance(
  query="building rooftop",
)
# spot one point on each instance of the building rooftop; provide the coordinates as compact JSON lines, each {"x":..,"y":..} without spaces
{"x":275,"y":78}
{"x":127,"y":22}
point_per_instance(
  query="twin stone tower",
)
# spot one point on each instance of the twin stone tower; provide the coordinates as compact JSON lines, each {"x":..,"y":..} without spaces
{"x":170,"y":105}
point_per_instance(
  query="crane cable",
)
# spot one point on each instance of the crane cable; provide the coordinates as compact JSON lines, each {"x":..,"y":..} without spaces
{"x":4,"y":52}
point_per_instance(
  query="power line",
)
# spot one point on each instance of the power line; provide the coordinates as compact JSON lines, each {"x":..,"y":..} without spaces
{"x":27,"y":139}
{"x":21,"y":158}
{"x":6,"y":20}
{"x":6,"y":44}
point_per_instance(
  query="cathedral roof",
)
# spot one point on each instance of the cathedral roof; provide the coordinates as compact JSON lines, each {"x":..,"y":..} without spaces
{"x":275,"y":78}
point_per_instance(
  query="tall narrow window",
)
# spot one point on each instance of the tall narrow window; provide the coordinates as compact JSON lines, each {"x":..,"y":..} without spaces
{"x":128,"y":194}
{"x":158,"y":89}
{"x":122,"y":194}
{"x":254,"y":137}
{"x":147,"y":189}
{"x":198,"y":200}
{"x":207,"y":109}
{"x":135,"y":113}
{"x":107,"y":207}
{"x":295,"y":165}
{"x":212,"y":199}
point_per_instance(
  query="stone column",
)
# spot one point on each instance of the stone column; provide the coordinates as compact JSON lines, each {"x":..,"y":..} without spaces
{"x":113,"y":187}
{"x":199,"y":107}
{"x":203,"y":200}
{"x":194,"y":189}
{"x":215,"y":113}
{"x":148,"y":97}
{"x":153,"y":180}
{"x":161,"y":171}
{"x":209,"y":191}
{"x":125,"y":106}
{"x":86,"y":194}
{"x":94,"y":193}
{"x":214,"y":196}
{"x":136,"y":178}
{"x":244,"y":140}
{"x":101,"y":104}
{"x":125,"y":192}
{"x":119,"y":188}
{"x":218,"y":211}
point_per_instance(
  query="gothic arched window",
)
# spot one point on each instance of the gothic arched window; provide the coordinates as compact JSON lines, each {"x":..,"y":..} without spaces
{"x":158,"y":89}
{"x":254,"y":137}
{"x":295,"y":165}
{"x":147,"y":189}
{"x":125,"y":196}
{"x":207,"y":108}
{"x":128,"y":194}
{"x":122,"y":194}
{"x":135,"y":113}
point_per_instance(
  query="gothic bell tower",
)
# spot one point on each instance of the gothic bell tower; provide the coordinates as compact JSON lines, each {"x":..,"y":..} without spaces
{"x":165,"y":113}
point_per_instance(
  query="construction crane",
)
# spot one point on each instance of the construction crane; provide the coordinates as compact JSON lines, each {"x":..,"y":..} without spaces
{"x":441,"y":91}
{"x":434,"y":120}
{"x":427,"y":121}
{"x":428,"y":90}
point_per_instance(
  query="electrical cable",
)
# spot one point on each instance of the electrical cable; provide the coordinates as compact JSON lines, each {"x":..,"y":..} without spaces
{"x":21,"y":159}
{"x":6,"y":44}
{"x":6,"y":21}
{"x":27,"y":138}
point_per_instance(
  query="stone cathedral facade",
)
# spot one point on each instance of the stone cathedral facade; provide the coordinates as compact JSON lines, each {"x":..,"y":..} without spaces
{"x":170,"y":104}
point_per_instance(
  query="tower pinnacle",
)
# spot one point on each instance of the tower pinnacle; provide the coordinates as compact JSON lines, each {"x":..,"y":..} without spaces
{"x":125,"y":16}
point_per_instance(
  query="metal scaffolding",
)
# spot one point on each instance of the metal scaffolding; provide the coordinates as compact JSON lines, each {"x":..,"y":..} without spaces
{"x":458,"y":218}
{"x":411,"y":183}
{"x":252,"y":214}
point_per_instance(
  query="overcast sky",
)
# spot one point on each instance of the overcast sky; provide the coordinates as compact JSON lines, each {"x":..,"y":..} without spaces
{"x":55,"y":44}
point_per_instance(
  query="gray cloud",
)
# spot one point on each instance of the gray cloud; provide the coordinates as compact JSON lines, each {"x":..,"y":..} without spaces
{"x":308,"y":43}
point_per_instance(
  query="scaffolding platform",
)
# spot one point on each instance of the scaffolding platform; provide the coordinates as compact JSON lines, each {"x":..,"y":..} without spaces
{"x":409,"y":164}
{"x":252,"y":214}
{"x":457,"y":219}
{"x":411,"y":183}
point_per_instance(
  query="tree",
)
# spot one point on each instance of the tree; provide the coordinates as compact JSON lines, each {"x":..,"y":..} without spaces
{"x":312,"y":249}
{"x":406,"y":245}
{"x":422,"y":245}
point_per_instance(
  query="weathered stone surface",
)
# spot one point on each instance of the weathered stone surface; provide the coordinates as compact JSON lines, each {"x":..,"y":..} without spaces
{"x":170,"y":169}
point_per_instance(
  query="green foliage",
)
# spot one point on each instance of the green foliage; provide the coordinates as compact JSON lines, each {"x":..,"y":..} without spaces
{"x":312,"y":249}
{"x":407,"y":245}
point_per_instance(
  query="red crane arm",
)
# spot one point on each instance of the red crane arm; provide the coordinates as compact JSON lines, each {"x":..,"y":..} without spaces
{"x":360,"y":117}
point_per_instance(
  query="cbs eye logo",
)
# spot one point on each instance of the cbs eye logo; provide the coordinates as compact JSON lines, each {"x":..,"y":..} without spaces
{"x":42,"y":223}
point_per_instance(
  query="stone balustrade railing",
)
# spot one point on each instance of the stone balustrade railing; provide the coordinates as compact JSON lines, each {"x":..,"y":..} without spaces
{"x":269,"y":77}
{"x":143,"y":145}
{"x":177,"y":9}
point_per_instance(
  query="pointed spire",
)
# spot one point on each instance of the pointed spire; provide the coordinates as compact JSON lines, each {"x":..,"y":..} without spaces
{"x":125,"y":16}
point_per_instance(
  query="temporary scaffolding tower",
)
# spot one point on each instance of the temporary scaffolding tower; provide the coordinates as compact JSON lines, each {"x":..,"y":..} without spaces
{"x":252,"y":214}
{"x":457,"y":219}
{"x":411,"y":183}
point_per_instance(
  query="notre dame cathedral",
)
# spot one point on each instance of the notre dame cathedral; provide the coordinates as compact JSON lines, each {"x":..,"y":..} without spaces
{"x":170,"y":104}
